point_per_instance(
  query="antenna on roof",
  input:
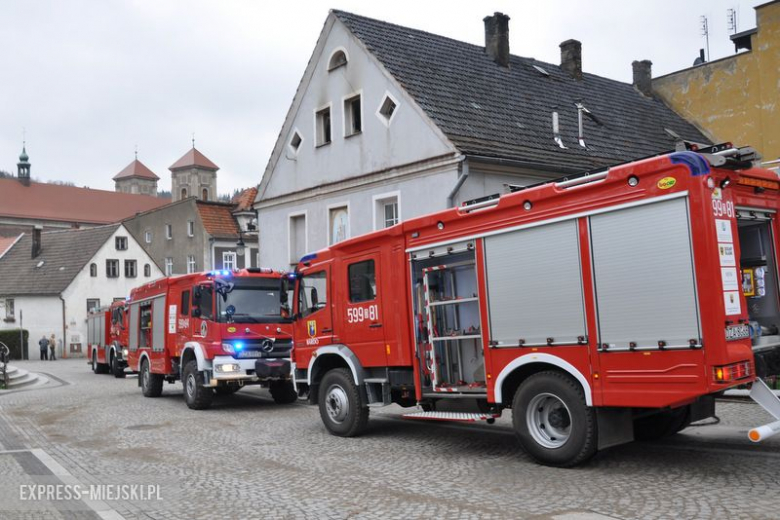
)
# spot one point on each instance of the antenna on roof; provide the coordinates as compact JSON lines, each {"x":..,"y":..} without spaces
{"x":136,"y":152}
{"x":193,"y":139}
{"x":705,"y":31}
{"x":731,"y":17}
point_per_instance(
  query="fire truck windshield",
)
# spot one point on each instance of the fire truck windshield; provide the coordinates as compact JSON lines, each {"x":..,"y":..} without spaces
{"x":252,"y":301}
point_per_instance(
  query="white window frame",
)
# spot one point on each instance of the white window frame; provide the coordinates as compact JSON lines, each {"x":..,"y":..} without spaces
{"x":148,"y":236}
{"x":190,"y":264}
{"x":376,"y":200}
{"x":118,"y":267}
{"x":328,"y":106}
{"x":190,"y":228}
{"x":9,"y":309}
{"x":168,"y":266}
{"x":168,"y":231}
{"x":290,"y":216}
{"x":330,"y":58}
{"x":385,"y":121}
{"x":346,"y":125}
{"x":340,"y":205}
{"x":290,"y":146}
{"x":121,"y":240}
{"x":134,"y":264}
{"x":233,"y":256}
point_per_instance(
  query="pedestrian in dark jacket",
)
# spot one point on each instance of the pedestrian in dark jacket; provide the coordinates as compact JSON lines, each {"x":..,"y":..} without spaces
{"x":44,"y":344}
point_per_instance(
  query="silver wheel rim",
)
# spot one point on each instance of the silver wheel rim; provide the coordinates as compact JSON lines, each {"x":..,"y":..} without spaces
{"x":190,"y":385}
{"x":549,"y":420}
{"x":337,"y":404}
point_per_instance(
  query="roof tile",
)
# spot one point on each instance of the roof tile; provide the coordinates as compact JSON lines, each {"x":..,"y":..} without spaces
{"x":194,"y":158}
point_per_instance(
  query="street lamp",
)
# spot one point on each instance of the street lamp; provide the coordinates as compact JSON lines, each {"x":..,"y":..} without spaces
{"x":240,"y":246}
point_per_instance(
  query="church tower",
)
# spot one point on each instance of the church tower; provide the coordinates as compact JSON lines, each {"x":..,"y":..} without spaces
{"x":194,"y":175}
{"x":136,"y":178}
{"x":23,"y":166}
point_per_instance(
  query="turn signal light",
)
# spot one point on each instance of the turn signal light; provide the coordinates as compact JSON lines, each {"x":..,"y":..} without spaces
{"x":733,"y":372}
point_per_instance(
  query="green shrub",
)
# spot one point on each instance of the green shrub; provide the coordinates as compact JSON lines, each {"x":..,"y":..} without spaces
{"x":12,"y":339}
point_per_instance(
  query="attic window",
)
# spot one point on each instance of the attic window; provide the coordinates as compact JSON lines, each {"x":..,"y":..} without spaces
{"x":337,"y":59}
{"x":387,"y":109}
{"x":353,"y":121}
{"x":322,"y":124}
{"x":541,"y":70}
{"x":295,"y":142}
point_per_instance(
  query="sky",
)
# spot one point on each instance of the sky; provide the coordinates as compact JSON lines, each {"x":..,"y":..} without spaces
{"x":86,"y":83}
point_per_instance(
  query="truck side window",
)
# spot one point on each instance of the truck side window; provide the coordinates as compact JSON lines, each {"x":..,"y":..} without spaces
{"x":313,"y":294}
{"x":185,"y":303}
{"x":203,"y":302}
{"x":362,"y":281}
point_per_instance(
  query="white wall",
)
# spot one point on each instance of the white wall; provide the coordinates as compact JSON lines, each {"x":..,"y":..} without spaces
{"x":106,"y":289}
{"x":40,"y":315}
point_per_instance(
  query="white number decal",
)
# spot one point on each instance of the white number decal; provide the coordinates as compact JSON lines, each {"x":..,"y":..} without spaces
{"x":722,"y":209}
{"x":360,"y":314}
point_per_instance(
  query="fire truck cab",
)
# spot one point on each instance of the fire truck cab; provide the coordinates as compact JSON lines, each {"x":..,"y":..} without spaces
{"x":107,"y":339}
{"x":216,"y":331}
{"x":600,"y":308}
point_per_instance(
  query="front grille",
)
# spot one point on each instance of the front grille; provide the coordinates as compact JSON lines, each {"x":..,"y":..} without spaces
{"x":253,"y":348}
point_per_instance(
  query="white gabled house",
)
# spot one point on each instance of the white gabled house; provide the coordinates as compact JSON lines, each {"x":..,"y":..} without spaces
{"x":50,"y":281}
{"x":390,"y":123}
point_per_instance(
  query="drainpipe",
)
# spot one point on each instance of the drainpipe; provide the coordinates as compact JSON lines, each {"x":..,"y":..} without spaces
{"x":64,"y":350}
{"x":464,"y":174}
{"x":211,"y":253}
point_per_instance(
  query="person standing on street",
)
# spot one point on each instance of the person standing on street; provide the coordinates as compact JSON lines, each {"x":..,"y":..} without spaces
{"x":52,"y":348}
{"x":44,"y":344}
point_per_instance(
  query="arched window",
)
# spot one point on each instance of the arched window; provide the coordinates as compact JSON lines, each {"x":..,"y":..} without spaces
{"x":205,"y":194}
{"x":93,"y":270}
{"x":184,"y":193}
{"x":147,"y":270}
{"x":337,"y":59}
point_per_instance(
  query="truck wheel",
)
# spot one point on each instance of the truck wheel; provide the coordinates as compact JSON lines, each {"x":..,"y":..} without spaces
{"x":283,"y":392}
{"x":342,"y":404}
{"x":660,"y":425}
{"x":197,"y":396}
{"x":552,"y":421}
{"x":98,"y":368}
{"x":118,"y":372}
{"x":151,"y":384}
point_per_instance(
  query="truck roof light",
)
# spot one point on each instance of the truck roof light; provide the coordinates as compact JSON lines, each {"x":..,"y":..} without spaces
{"x":725,"y":183}
{"x":308,"y":258}
{"x":633,"y":181}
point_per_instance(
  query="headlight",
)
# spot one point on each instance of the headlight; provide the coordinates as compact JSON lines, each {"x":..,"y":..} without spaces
{"x":125,"y":352}
{"x":228,"y":367}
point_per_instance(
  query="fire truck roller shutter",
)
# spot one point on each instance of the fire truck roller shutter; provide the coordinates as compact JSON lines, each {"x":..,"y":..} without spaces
{"x":101,"y":317}
{"x":534,"y":281}
{"x":133,"y":339}
{"x":644,"y":276}
{"x":158,"y":324}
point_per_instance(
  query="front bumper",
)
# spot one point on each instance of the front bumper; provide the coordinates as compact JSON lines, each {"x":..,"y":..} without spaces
{"x":247,"y":371}
{"x":272,"y":368}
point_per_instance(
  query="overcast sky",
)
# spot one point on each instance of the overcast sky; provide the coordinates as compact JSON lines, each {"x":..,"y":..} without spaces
{"x":90,"y":80}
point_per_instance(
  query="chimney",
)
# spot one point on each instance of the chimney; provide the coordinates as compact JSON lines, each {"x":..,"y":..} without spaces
{"x":36,"y":241}
{"x":571,"y":58}
{"x":643,"y":77}
{"x":497,"y":38}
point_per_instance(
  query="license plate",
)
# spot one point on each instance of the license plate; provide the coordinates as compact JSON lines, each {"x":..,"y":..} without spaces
{"x":735,"y":332}
{"x":249,"y":354}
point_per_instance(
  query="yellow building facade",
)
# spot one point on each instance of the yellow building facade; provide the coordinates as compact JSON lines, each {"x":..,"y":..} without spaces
{"x":736,"y":98}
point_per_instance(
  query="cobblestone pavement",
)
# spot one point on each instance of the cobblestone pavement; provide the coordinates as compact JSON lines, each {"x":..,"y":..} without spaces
{"x":250,"y":458}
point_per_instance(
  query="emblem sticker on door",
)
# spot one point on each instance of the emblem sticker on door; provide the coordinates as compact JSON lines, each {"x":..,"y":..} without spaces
{"x":312,"y":326}
{"x":666,"y":183}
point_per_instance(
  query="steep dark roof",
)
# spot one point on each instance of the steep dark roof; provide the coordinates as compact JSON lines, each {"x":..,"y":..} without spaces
{"x":64,"y":254}
{"x":489,"y":110}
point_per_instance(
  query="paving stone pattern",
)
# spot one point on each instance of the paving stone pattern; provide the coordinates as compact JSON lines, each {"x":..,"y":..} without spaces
{"x":250,"y":458}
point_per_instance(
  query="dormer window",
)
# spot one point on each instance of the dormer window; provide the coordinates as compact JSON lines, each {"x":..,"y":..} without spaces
{"x":337,"y":59}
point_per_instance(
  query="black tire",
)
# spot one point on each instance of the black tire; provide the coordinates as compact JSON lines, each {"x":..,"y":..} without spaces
{"x":94,"y":362}
{"x":342,"y":404}
{"x":197,"y":396}
{"x":118,"y":372}
{"x":283,"y":392}
{"x":660,"y":425}
{"x":151,"y":384}
{"x":227,"y":389}
{"x":552,"y":421}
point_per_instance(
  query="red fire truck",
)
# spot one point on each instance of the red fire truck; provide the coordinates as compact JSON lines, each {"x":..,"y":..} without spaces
{"x":600,"y":308}
{"x":216,"y":331}
{"x":107,"y":339}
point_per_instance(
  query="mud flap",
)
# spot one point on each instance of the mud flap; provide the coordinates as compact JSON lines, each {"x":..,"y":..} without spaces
{"x":615,"y":426}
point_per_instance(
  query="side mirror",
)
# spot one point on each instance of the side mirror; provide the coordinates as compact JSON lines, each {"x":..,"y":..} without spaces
{"x":196,"y":312}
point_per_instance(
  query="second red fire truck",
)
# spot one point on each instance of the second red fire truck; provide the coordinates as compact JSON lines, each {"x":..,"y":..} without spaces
{"x":215,"y":331}
{"x":107,"y":339}
{"x":599,"y":309}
